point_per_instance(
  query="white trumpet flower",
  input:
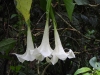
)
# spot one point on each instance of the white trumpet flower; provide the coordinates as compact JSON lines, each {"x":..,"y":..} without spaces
{"x":29,"y":50}
{"x":45,"y":48}
{"x":59,"y":52}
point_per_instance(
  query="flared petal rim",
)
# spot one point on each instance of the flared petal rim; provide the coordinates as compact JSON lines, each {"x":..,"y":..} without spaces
{"x":59,"y":51}
{"x":28,"y":54}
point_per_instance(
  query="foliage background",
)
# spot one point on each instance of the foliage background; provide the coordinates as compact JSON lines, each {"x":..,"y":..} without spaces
{"x":83,"y":38}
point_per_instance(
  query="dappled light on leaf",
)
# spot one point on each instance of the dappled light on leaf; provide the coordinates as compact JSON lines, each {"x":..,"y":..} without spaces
{"x":93,"y":62}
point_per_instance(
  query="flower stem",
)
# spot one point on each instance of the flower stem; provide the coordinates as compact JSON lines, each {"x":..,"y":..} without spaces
{"x":54,"y":21}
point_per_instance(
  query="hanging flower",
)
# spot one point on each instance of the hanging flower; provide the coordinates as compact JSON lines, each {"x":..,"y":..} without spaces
{"x":44,"y":49}
{"x":59,"y":52}
{"x":29,"y":50}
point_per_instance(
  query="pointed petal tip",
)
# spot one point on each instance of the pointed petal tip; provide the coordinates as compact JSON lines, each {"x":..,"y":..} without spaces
{"x":71,"y":54}
{"x":26,"y":56}
{"x":52,"y":60}
{"x":19,"y":57}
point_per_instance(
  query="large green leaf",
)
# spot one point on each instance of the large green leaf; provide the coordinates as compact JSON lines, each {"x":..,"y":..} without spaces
{"x":93,"y":62}
{"x":7,"y":45}
{"x":69,"y":7}
{"x":24,"y":7}
{"x":82,"y":70}
{"x":81,"y":2}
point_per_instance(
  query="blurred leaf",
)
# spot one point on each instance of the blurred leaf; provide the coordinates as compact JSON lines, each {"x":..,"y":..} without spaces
{"x":81,"y":2}
{"x":7,"y":45}
{"x":31,"y":72}
{"x":21,"y":73}
{"x":13,"y":15}
{"x":24,"y":7}
{"x":75,"y":21}
{"x":12,"y":68}
{"x":97,"y":72}
{"x":69,"y":7}
{"x":97,"y":1}
{"x":84,"y":18}
{"x":86,"y":74}
{"x":82,"y":70}
{"x":43,"y":4}
{"x":93,"y":62}
{"x":93,"y":21}
{"x":18,"y":68}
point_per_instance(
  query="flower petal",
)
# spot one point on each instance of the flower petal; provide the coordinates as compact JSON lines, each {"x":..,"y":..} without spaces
{"x":71,"y":54}
{"x":30,"y":45}
{"x":59,"y":51}
{"x":37,"y":55}
{"x":45,"y":48}
{"x":27,"y":55}
{"x":54,"y":59}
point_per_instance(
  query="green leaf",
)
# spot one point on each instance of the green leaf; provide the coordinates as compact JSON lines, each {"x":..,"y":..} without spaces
{"x":13,"y":15}
{"x":69,"y":7}
{"x":12,"y":68}
{"x":93,"y":62}
{"x":18,"y":68}
{"x":81,"y":2}
{"x":82,"y":70}
{"x":7,"y":45}
{"x":24,"y":7}
{"x":98,"y":72}
{"x":43,"y":4}
{"x":86,"y":74}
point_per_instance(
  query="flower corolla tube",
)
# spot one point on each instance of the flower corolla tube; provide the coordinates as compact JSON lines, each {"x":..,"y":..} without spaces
{"x":44,"y":49}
